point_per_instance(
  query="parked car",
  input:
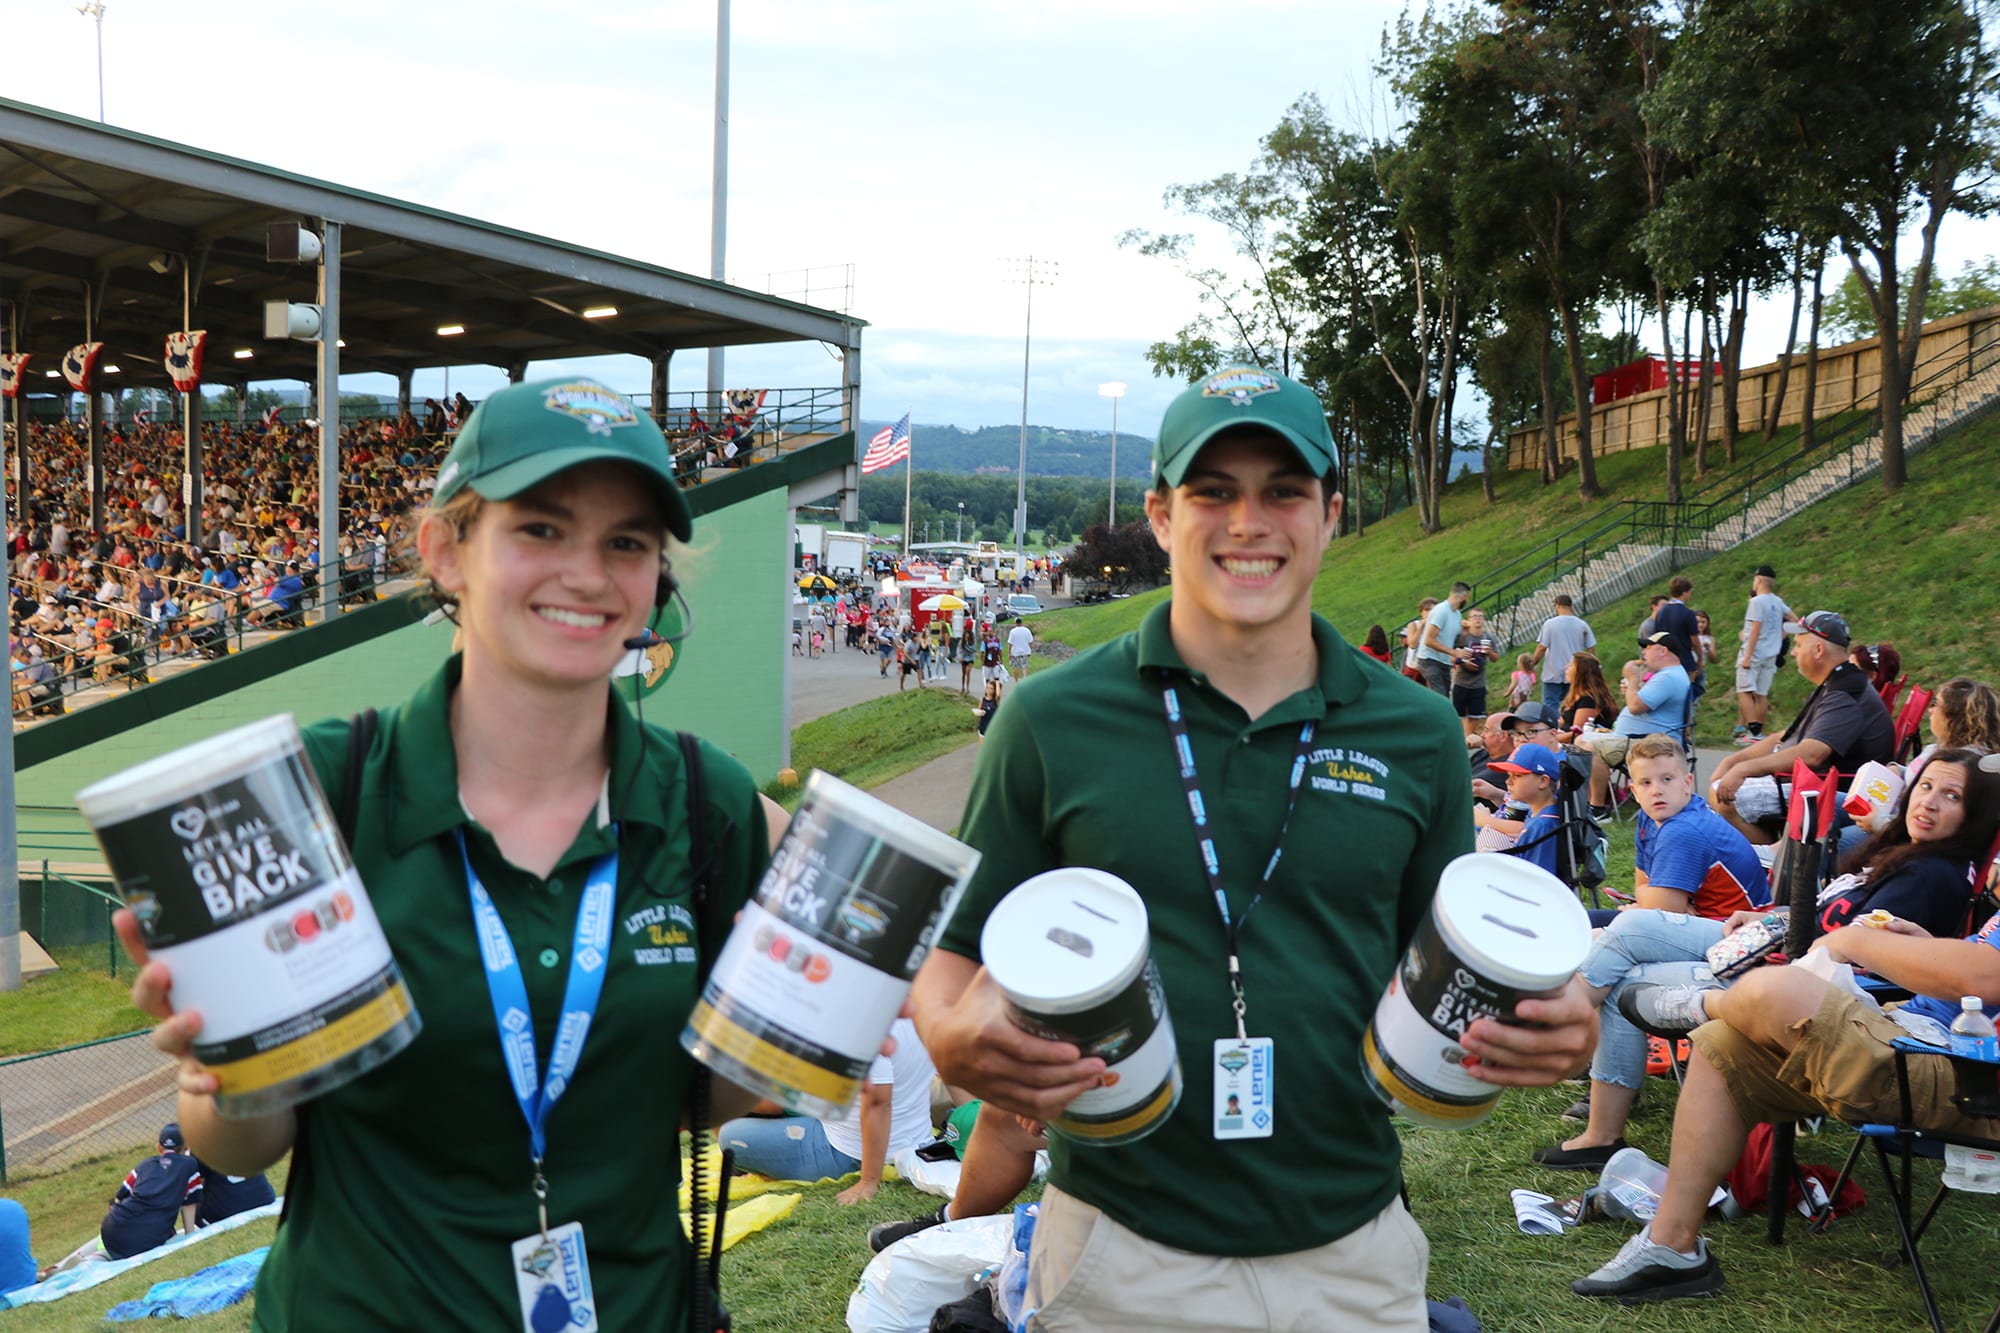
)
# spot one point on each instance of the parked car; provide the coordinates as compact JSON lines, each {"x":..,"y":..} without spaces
{"x":1022,"y":604}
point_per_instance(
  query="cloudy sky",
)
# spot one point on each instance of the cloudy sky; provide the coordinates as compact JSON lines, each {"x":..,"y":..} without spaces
{"x":922,"y":142}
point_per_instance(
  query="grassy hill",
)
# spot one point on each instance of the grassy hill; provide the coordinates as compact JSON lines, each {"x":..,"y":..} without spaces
{"x":1920,"y":569}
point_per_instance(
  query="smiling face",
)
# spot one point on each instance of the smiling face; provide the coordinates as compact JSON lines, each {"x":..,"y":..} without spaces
{"x":1936,"y":809}
{"x":1244,"y":531}
{"x":551,"y":583}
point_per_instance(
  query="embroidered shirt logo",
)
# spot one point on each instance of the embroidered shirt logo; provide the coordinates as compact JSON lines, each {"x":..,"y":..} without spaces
{"x":662,"y":933}
{"x":1348,"y":772}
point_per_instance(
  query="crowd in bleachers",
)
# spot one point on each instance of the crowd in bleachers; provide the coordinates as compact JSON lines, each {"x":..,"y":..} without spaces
{"x":97,"y":606}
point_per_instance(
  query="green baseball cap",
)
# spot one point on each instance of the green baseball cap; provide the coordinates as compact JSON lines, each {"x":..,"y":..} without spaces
{"x":526,"y":433}
{"x":1242,"y":396}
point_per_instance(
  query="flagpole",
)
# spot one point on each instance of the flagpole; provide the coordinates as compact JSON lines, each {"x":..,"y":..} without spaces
{"x":909,"y":468}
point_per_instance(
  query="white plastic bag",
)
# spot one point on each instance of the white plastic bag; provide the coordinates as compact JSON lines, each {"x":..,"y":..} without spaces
{"x":903,"y":1286}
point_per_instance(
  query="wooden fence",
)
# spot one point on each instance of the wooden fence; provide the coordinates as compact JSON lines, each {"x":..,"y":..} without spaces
{"x":1849,"y":377}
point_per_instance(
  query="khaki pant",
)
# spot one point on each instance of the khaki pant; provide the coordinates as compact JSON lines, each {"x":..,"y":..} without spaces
{"x":1086,"y":1272}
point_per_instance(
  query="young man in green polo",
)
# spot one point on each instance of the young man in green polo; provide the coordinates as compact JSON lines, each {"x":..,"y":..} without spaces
{"x":1285,"y":806}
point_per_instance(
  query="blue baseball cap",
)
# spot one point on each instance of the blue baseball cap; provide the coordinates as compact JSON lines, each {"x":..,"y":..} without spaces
{"x":1531,"y":758}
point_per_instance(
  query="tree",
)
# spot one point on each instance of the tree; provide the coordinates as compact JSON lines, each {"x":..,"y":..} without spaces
{"x":1977,"y":286}
{"x":1129,"y":552}
{"x":1250,"y":314}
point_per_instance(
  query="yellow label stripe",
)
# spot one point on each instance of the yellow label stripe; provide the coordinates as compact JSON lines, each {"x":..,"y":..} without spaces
{"x":1389,"y":1077}
{"x":753,"y":1052}
{"x":1112,"y":1129}
{"x":302,"y":1055}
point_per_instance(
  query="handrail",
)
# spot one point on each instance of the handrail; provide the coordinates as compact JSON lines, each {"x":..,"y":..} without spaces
{"x":1675,"y":524}
{"x":1953,"y":369}
{"x":132,"y":663}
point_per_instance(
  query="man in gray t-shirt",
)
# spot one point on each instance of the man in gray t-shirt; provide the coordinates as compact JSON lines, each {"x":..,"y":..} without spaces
{"x":1764,"y":623}
{"x":1563,"y":636}
{"x":1437,"y":651}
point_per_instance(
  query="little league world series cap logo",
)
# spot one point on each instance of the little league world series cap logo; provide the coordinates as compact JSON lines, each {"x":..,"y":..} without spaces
{"x":1239,"y":384}
{"x":595,"y":406}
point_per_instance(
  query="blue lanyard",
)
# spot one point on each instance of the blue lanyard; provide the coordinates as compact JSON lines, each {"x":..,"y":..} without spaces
{"x":1205,"y":839}
{"x":589,"y":953}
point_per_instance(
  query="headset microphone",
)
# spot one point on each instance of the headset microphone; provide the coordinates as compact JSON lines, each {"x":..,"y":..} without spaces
{"x":645,"y":638}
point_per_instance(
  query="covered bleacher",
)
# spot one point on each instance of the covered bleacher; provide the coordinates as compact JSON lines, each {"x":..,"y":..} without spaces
{"x":121,"y":240}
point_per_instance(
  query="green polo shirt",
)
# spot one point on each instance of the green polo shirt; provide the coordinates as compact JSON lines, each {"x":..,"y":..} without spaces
{"x":1078,"y":770}
{"x":417,"y":1174}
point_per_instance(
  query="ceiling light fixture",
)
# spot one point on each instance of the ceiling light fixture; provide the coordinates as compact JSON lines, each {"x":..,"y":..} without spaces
{"x":600,"y":312}
{"x":450,"y":330}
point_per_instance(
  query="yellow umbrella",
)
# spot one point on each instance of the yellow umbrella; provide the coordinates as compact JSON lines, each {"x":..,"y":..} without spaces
{"x":944,"y":601}
{"x":816,"y":581}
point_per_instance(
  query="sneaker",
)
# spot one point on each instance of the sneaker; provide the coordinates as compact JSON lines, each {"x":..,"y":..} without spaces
{"x":1738,"y":733}
{"x":1578,"y":1110}
{"x":1555,"y":1157}
{"x":1745,"y":739}
{"x":1664,"y":1011}
{"x":884,"y":1234}
{"x":1600,"y":813}
{"x":1642,"y":1271}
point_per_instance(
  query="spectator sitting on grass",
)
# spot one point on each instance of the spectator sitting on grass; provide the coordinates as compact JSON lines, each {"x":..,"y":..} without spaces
{"x":17,"y":1260}
{"x":894,"y":1117}
{"x":224,"y":1196}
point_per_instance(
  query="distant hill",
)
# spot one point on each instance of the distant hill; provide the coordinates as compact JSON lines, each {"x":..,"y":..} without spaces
{"x":1052,"y":452}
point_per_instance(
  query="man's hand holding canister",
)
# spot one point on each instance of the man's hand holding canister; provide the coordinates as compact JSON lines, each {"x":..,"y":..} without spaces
{"x":1550,"y":1040}
{"x":962,"y":1017}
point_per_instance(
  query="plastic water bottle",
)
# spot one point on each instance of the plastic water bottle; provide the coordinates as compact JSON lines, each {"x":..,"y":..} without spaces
{"x":1972,"y":1031}
{"x":1972,"y":1035}
{"x":1631,"y":1185}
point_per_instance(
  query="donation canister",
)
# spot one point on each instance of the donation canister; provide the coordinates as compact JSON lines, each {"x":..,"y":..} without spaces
{"x":1072,"y":951}
{"x":1499,"y":930}
{"x":226,"y":853}
{"x":817,"y":967}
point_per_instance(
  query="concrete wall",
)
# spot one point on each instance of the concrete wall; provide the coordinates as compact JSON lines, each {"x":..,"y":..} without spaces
{"x":727,"y":684}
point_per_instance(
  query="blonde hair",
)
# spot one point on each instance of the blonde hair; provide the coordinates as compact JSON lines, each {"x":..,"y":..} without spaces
{"x":1656,"y":745}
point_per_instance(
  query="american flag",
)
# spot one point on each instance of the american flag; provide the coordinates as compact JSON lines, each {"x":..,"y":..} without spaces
{"x":890,"y":445}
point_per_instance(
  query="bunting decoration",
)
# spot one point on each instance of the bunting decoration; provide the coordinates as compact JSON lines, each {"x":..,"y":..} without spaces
{"x":79,"y":364}
{"x":271,"y":415}
{"x":184,"y":351}
{"x":13,"y":366}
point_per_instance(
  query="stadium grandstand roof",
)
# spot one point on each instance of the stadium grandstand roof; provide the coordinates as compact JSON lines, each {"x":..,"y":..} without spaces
{"x":90,"y":212}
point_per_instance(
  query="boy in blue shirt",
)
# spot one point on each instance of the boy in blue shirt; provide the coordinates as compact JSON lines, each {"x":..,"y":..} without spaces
{"x":1532,"y":774}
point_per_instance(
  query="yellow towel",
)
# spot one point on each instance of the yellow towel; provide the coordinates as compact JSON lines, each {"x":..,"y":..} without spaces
{"x":750,"y":1186}
{"x":751,"y":1216}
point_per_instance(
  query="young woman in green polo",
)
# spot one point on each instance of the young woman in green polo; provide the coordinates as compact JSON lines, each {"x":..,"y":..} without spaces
{"x":512,"y":792}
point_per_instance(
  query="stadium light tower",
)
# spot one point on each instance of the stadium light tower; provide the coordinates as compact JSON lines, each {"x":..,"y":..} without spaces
{"x":94,"y":9}
{"x":1030,"y":273}
{"x":1114,"y":390}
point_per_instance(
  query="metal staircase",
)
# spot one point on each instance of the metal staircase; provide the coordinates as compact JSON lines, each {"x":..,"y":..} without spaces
{"x":1633,"y":544}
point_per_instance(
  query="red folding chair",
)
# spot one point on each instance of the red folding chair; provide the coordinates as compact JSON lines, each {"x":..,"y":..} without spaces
{"x":1892,"y":690}
{"x":1908,"y":722}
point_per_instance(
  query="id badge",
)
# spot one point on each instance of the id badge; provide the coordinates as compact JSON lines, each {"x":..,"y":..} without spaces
{"x":552,"y":1275}
{"x":1244,"y":1108}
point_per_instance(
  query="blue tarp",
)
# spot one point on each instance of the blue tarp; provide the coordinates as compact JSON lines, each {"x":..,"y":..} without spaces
{"x":216,"y":1287}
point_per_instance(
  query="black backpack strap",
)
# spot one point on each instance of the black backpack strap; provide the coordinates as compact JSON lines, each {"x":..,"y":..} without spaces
{"x":705,"y":1308}
{"x":360,"y":736}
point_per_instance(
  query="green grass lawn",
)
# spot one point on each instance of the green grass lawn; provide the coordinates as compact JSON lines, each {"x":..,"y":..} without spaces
{"x":797,"y":1275}
{"x":79,"y":1002}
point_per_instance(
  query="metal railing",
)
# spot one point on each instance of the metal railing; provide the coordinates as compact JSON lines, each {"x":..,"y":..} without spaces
{"x":188,"y":638}
{"x":1759,"y":494}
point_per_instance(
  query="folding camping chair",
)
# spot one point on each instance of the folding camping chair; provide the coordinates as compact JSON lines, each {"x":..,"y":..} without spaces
{"x":1900,"y":1144}
{"x":1908,"y":721}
